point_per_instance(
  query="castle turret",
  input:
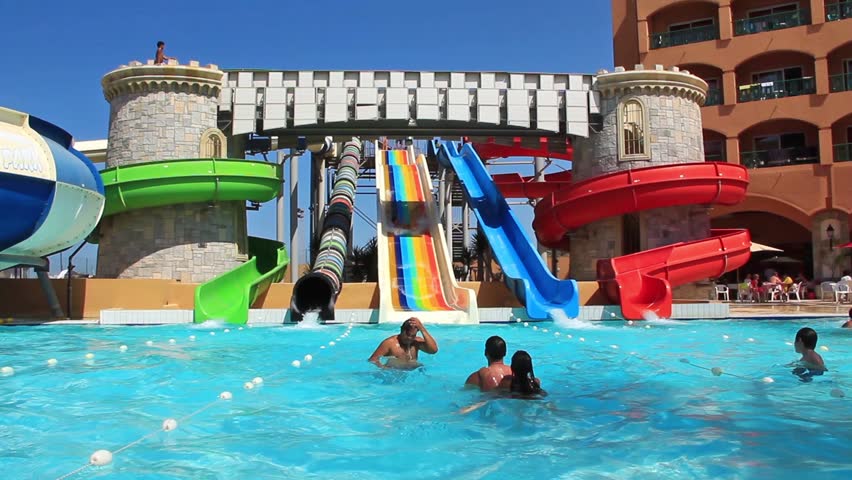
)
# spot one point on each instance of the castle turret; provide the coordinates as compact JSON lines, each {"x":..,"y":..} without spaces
{"x":650,"y":117}
{"x":160,"y":113}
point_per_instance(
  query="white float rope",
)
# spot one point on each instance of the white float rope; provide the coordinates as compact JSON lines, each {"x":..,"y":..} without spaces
{"x":105,"y":457}
{"x":716,"y":371}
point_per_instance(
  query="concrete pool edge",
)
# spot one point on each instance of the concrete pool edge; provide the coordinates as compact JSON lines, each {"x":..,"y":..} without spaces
{"x":260,"y":317}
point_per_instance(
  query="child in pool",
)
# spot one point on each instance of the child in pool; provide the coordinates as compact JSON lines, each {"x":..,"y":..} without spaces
{"x":811,"y":363}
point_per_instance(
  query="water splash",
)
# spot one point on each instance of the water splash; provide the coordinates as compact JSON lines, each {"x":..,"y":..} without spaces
{"x":564,"y":321}
{"x":215,"y":324}
{"x":653,"y":318}
{"x":310,"y":321}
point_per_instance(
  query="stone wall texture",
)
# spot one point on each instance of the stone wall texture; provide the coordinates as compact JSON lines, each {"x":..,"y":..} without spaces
{"x":674,"y":134}
{"x":192,"y":242}
{"x":151,"y":126}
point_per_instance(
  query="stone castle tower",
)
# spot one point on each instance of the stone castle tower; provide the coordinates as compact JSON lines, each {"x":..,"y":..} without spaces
{"x":168,"y":112}
{"x":650,"y":117}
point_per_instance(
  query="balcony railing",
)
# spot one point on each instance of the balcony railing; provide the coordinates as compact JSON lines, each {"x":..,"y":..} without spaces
{"x":682,"y":37}
{"x":838,"y":11}
{"x":843,"y":152}
{"x":779,"y":157}
{"x":714,"y":97}
{"x":784,"y":88}
{"x":776,"y":21}
{"x":841,"y":83}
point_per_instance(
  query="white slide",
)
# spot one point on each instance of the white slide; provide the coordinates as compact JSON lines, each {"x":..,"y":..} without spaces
{"x":415,"y":270}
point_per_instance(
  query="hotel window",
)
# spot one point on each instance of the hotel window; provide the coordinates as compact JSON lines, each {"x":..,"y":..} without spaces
{"x":763,"y":12}
{"x":779,"y":142}
{"x":690,"y":25}
{"x":632,"y":121}
{"x":714,"y":151}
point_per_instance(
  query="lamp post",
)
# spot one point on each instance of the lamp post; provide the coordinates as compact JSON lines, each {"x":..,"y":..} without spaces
{"x":829,"y":232}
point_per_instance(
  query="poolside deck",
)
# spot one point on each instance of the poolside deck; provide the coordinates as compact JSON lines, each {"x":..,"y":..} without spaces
{"x":816,"y":308}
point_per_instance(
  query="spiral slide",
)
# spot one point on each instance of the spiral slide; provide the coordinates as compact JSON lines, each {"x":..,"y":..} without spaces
{"x":643,"y":281}
{"x":51,"y":194}
{"x":415,"y":270}
{"x":523,"y":268}
{"x":156,"y":184}
{"x":318,"y":290}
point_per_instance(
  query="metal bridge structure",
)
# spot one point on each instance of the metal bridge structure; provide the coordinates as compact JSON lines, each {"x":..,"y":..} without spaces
{"x":529,"y":114}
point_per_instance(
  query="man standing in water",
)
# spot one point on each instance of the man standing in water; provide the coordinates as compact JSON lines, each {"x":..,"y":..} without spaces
{"x":488,"y":378}
{"x":402,"y":349}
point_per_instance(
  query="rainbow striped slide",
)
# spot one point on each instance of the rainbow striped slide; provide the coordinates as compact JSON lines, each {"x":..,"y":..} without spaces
{"x":415,"y":271}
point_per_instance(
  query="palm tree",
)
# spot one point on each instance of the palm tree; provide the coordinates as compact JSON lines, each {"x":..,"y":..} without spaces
{"x":364,"y":262}
{"x":481,"y":250}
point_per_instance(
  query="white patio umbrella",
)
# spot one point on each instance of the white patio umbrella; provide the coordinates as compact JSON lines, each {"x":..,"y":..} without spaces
{"x":759,"y":247}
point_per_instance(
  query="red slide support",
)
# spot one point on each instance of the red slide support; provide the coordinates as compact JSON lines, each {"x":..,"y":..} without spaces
{"x":643,"y":281}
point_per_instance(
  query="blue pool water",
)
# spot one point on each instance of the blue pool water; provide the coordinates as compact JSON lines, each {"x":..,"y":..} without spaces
{"x":632,"y":412}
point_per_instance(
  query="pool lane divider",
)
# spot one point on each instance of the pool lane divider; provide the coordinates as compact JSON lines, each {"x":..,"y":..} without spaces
{"x":103,"y":457}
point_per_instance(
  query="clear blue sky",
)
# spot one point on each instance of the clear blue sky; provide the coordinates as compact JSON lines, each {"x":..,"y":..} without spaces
{"x":55,"y":53}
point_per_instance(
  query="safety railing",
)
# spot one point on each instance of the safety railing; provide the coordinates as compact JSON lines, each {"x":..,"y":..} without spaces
{"x":775,"y":21}
{"x":683,"y":37}
{"x":838,"y":11}
{"x":783,"y":88}
{"x":843,"y":152}
{"x":841,"y":82}
{"x":779,"y":157}
{"x":714,"y":97}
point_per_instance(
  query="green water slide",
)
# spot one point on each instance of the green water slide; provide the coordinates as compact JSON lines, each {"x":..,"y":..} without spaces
{"x":156,"y":184}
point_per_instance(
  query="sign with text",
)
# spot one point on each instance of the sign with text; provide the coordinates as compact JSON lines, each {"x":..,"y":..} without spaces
{"x":21,"y":154}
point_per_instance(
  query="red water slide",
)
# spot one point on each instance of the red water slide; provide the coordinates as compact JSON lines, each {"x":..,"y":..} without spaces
{"x":643,"y":281}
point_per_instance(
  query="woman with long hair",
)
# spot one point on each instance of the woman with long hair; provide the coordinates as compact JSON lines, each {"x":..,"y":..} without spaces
{"x":523,"y":380}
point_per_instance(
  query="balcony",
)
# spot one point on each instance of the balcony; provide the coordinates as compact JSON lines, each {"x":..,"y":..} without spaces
{"x":843,"y":152}
{"x":775,"y":21}
{"x":838,"y":11}
{"x":783,"y":88}
{"x":683,"y":37}
{"x":841,"y":83}
{"x":714,"y":97}
{"x":780,"y":157}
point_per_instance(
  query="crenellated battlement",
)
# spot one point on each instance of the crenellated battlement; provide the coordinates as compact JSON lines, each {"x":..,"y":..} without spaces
{"x":657,"y":80}
{"x":136,"y":77}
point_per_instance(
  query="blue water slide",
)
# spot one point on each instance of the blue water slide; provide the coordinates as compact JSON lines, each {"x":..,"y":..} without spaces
{"x":523,"y":268}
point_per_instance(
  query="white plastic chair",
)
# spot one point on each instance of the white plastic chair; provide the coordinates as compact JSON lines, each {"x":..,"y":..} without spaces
{"x":722,"y":290}
{"x":776,"y":293}
{"x":841,"y":292}
{"x":794,"y":290}
{"x":827,"y":288}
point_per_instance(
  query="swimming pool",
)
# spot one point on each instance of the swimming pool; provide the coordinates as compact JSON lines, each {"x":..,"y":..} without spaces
{"x":622,"y":403}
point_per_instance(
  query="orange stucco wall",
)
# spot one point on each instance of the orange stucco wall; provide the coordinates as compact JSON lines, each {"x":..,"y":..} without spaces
{"x":796,"y":192}
{"x":24,"y":298}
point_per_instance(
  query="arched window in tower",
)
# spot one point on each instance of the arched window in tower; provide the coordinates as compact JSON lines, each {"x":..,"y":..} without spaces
{"x":632,"y":130}
{"x":213,"y":144}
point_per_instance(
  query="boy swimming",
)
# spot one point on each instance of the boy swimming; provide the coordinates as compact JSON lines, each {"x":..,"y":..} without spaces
{"x":811,"y":363}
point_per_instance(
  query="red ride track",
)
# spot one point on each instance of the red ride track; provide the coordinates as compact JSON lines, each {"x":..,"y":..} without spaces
{"x":643,"y":281}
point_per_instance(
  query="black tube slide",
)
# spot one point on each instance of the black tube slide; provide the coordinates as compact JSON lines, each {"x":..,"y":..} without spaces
{"x":318,"y":290}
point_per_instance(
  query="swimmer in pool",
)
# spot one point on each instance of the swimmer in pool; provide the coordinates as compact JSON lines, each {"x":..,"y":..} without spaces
{"x":848,"y":323}
{"x":811,"y":363}
{"x":402,"y":349}
{"x":488,"y":378}
{"x":522,"y":382}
